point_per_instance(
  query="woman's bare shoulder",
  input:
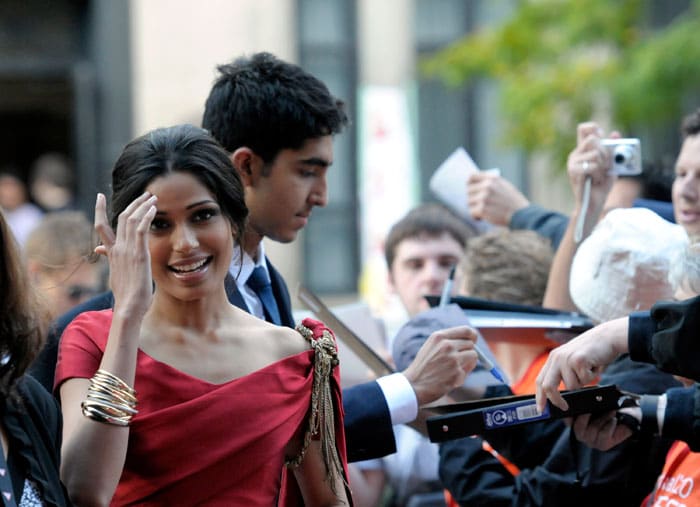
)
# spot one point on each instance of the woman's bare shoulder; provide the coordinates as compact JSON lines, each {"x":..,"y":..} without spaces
{"x":291,"y":341}
{"x":284,"y":340}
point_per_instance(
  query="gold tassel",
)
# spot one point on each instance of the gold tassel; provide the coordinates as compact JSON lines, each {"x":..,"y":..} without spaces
{"x":322,"y":410}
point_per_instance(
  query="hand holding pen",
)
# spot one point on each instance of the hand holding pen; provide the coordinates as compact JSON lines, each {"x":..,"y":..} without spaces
{"x":483,"y":358}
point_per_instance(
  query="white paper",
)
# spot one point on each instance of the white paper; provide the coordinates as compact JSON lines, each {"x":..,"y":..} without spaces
{"x":449,"y":182}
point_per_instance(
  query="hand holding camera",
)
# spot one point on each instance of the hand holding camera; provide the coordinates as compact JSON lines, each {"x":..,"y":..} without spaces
{"x":592,"y":166}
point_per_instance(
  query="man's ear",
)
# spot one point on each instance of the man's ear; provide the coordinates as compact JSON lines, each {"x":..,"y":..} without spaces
{"x":247,"y":164}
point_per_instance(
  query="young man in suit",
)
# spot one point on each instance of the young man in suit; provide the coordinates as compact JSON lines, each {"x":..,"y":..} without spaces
{"x":278,"y":122}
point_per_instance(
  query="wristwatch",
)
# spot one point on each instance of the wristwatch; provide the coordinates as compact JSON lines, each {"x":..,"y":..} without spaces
{"x":640,"y":412}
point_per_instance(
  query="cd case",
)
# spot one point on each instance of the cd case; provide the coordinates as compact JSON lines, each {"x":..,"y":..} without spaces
{"x":474,"y":418}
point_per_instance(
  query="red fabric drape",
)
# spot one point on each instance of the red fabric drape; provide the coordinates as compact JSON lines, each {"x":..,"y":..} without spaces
{"x":194,"y":442}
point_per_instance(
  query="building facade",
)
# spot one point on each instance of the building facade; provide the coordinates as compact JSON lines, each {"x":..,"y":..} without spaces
{"x":85,"y":76}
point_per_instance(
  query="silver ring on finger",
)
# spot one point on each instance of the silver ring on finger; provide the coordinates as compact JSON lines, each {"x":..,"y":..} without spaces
{"x":585,"y":165}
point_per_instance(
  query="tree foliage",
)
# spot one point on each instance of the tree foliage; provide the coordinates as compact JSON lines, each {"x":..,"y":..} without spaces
{"x":558,"y":62}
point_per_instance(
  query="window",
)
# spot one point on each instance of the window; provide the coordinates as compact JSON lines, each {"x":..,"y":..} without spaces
{"x":327,"y":50}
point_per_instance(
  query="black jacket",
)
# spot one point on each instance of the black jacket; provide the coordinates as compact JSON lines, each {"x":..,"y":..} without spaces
{"x":32,"y":420}
{"x":667,"y":336}
{"x":571,"y":473}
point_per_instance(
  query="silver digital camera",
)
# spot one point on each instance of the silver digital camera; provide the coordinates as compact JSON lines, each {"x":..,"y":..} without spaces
{"x":626,"y":155}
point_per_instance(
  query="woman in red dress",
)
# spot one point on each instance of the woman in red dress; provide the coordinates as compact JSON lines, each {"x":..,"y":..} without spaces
{"x":175,"y":396}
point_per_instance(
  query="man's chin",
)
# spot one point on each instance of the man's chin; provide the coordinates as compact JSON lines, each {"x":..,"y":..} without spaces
{"x":284,"y":237}
{"x":419,"y":308}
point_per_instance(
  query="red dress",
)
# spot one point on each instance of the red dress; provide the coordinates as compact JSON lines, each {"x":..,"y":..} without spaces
{"x":197,"y":443}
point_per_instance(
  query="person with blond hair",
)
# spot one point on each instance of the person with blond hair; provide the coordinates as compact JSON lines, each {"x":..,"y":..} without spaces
{"x":61,"y":263}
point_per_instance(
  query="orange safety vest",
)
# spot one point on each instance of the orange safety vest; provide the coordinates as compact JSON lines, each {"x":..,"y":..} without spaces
{"x":675,"y":487}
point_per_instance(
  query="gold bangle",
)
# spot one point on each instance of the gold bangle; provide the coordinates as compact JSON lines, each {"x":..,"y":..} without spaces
{"x":108,"y":397}
{"x":109,"y":400}
{"x":99,"y":416}
{"x":97,"y":387}
{"x":113,"y":380}
{"x":113,"y":408}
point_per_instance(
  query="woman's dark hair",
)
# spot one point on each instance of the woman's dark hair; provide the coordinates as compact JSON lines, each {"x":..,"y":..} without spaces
{"x":183,"y":148}
{"x":21,"y":315}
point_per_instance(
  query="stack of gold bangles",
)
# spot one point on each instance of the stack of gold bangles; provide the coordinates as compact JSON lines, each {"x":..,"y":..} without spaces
{"x":109,"y":400}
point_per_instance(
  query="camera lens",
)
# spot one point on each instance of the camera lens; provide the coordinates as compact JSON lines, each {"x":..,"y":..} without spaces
{"x":622,"y":154}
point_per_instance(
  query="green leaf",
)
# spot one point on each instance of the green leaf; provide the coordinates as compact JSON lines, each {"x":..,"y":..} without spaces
{"x":559,"y":61}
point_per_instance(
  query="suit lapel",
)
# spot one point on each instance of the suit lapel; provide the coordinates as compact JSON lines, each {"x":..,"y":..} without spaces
{"x":281,"y":293}
{"x":234,"y":296}
{"x":279,"y":290}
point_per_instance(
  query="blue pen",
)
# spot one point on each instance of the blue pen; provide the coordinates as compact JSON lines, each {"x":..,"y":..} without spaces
{"x":485,"y":361}
{"x":493,"y":370}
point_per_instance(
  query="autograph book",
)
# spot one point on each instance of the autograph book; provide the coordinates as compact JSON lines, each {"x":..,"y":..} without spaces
{"x":483,"y":313}
{"x":474,"y":418}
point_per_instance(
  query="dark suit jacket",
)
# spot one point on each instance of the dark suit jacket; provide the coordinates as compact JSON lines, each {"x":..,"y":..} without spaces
{"x":368,"y":430}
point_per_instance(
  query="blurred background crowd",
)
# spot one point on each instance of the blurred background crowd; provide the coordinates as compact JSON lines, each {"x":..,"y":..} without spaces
{"x":511,"y":82}
{"x":421,"y":77}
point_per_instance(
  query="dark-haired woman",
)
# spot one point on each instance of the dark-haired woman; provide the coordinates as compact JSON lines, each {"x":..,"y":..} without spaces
{"x":177,"y":397}
{"x":30,"y":420}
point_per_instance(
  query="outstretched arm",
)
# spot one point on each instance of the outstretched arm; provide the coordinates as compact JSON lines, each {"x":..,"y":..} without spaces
{"x":588,"y":167}
{"x":441,"y":364}
{"x":571,"y":473}
{"x":666,"y":337}
{"x":581,"y":360}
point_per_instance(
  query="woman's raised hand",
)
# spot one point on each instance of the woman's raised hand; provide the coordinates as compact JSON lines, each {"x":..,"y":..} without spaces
{"x":590,"y":159}
{"x":127,"y":251}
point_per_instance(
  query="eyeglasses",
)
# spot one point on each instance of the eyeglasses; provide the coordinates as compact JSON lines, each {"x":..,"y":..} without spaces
{"x":78,"y":292}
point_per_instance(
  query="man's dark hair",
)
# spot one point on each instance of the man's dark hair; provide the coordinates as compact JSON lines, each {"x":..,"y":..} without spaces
{"x":268,"y":105}
{"x":657,"y":177}
{"x":429,"y":220}
{"x":657,"y":180}
{"x":691,"y":124}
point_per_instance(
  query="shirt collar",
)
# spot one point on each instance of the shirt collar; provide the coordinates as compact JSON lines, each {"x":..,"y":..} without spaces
{"x":241,"y":267}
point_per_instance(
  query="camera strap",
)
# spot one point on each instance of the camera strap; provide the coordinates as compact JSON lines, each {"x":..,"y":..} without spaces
{"x":581,"y":221}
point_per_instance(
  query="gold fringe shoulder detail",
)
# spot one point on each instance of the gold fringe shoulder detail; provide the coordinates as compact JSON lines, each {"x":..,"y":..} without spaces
{"x":322,"y":418}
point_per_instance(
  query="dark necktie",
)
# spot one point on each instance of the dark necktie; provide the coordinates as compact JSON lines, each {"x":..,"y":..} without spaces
{"x":260,"y":283}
